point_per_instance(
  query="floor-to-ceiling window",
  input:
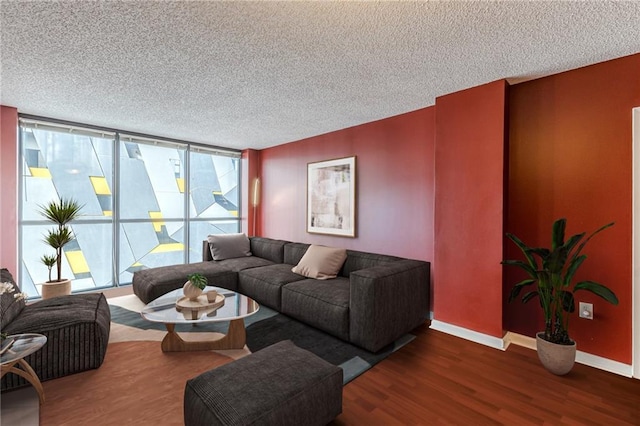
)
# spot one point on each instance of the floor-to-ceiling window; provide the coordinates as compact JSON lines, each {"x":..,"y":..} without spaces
{"x":214,"y":197}
{"x":151,"y":204}
{"x":146,"y":201}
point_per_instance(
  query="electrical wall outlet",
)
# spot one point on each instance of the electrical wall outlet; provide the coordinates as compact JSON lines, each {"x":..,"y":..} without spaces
{"x":586,"y":310}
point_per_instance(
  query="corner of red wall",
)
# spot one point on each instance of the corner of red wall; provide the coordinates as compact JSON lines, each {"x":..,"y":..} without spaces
{"x":9,"y":193}
{"x":469,"y":208}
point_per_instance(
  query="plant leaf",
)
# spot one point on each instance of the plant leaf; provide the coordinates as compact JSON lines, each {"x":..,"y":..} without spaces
{"x":568,"y":302}
{"x":573,"y":267}
{"x":526,"y":250}
{"x":571,"y":242}
{"x":61,"y":212}
{"x":584,"y":243}
{"x":515,"y":291}
{"x":49,"y":260}
{"x":542,"y":252}
{"x":59,"y":237}
{"x":519,"y":263}
{"x":529,"y":296}
{"x":598,"y":289}
{"x":557,"y":233}
{"x":557,"y":259}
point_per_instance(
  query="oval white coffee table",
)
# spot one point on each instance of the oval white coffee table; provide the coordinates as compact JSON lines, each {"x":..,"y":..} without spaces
{"x":236,"y":307}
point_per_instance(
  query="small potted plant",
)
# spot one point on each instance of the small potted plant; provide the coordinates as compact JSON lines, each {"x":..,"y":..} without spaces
{"x":49,"y":261}
{"x":194,"y":286}
{"x":61,"y":213}
{"x":552,"y":280}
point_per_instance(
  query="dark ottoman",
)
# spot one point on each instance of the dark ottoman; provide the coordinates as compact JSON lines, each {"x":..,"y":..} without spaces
{"x":77,"y":329}
{"x":279,"y":385}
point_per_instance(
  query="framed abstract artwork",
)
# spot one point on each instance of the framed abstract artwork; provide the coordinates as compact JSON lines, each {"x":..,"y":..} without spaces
{"x":331,"y":197}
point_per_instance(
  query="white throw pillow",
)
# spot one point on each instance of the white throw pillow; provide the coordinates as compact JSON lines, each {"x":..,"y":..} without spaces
{"x":321,"y":262}
{"x":229,"y":246}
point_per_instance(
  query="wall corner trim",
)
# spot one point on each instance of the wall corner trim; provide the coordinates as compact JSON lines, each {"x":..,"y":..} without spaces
{"x":581,"y":357}
{"x":464,"y":333}
{"x":519,"y":340}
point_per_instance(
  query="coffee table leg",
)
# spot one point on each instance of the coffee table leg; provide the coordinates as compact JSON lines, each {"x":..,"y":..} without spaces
{"x":26,"y":373}
{"x":235,"y":338}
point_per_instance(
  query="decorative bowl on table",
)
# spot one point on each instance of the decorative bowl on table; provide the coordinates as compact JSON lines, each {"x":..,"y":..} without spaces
{"x":193,"y":308}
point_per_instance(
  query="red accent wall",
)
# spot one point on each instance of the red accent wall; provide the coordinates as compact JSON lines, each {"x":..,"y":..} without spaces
{"x":9,"y":189}
{"x":395,"y":185}
{"x":470,"y":147}
{"x":570,"y":156}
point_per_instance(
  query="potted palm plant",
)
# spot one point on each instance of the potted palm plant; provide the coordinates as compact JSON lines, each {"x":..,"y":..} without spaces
{"x":552,"y":281}
{"x":61,"y":213}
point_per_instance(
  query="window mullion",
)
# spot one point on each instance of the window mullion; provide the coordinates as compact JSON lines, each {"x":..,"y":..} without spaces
{"x":116,"y":210}
{"x":187,"y":219}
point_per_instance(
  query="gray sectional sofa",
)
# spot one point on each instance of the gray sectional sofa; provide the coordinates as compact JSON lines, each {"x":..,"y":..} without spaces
{"x":374,"y":300}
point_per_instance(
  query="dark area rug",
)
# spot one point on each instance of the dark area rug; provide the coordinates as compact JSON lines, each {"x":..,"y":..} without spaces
{"x":353,"y":360}
{"x":267,"y":327}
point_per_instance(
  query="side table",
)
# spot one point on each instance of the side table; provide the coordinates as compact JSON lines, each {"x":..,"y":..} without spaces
{"x":12,"y":361}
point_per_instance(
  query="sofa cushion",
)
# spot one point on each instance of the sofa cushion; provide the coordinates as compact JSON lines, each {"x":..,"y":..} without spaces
{"x":10,"y":307}
{"x":321,"y":262}
{"x":229,"y":246}
{"x":293,"y":252}
{"x":322,"y":304}
{"x":264,"y":284}
{"x":241,"y":263}
{"x":268,"y":248}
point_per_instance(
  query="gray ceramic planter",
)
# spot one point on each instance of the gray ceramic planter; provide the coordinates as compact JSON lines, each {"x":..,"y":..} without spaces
{"x":558,"y":359}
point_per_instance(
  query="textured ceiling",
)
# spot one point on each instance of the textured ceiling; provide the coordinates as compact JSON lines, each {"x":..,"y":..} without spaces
{"x":258,"y":74}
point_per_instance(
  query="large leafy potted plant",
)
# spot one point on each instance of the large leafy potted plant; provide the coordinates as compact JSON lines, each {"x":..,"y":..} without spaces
{"x":551,"y":272}
{"x":61,"y":213}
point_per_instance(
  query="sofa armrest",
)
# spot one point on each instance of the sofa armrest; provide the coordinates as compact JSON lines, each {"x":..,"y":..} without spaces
{"x":387,"y":301}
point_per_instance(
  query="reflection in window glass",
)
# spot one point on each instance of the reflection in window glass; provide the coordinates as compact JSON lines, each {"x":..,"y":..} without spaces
{"x":61,"y":163}
{"x":213,"y":186}
{"x":152,"y":191}
{"x":140,"y":249}
{"x":151,"y":180}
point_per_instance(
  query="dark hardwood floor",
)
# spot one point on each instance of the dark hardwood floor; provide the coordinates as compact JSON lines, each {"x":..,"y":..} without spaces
{"x":439,"y":379}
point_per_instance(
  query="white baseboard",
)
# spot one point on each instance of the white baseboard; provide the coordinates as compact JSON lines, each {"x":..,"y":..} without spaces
{"x":465,"y":333}
{"x":585,"y":358}
{"x":605,"y":364}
